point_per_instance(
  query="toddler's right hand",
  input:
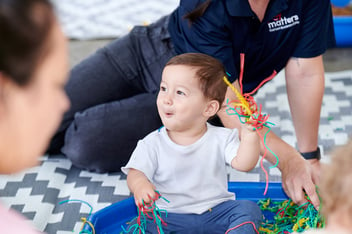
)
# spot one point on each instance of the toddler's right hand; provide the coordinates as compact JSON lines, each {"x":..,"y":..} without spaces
{"x":145,"y":195}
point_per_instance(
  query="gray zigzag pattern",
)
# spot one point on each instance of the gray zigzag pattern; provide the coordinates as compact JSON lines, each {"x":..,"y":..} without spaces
{"x":70,"y":211}
{"x":88,"y":19}
{"x":37,"y":192}
{"x":336,"y":117}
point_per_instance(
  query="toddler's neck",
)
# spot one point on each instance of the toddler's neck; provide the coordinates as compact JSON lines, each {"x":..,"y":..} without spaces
{"x":187,"y":137}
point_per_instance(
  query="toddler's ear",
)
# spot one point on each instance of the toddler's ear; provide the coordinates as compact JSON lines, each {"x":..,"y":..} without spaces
{"x":211,"y":108}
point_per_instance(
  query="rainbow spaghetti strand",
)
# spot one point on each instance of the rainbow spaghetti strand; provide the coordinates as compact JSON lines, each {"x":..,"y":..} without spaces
{"x":147,"y":213}
{"x":248,"y":112}
{"x":239,"y":225}
{"x":83,"y":219}
{"x":289,"y":217}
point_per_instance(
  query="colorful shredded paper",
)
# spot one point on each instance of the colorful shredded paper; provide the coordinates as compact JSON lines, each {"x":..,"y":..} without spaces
{"x":287,"y":217}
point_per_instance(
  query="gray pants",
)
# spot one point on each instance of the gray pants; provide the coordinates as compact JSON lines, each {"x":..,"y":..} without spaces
{"x":113,"y":99}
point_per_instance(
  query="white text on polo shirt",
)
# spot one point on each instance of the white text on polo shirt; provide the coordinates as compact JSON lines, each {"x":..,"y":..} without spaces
{"x":283,"y":23}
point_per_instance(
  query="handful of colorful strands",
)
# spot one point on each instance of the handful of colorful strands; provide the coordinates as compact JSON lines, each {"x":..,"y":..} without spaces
{"x":289,"y":217}
{"x":282,"y":217}
{"x":147,"y":213}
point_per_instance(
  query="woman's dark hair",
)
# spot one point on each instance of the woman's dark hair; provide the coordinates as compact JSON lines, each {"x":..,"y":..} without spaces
{"x":25,"y":26}
{"x":197,"y":12}
{"x":209,"y":70}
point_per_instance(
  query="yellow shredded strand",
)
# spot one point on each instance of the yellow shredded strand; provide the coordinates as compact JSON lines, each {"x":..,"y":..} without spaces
{"x":245,"y":104}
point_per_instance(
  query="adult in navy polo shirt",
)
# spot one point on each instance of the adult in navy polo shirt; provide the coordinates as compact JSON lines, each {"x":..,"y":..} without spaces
{"x":300,"y":29}
{"x":291,"y":34}
{"x":113,"y":92}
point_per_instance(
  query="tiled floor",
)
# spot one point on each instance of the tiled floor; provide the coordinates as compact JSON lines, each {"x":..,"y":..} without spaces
{"x":338,"y":59}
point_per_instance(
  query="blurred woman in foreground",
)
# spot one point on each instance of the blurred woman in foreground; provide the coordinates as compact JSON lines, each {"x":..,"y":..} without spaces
{"x":33,"y":72}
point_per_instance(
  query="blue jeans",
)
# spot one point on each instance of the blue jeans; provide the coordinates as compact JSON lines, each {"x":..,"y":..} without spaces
{"x":218,"y":220}
{"x":113,"y":99}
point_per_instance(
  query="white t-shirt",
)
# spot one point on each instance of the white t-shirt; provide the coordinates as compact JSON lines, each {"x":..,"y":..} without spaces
{"x":193,"y":177}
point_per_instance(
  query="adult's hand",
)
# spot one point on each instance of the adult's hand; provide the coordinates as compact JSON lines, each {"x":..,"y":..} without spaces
{"x":298,"y":179}
{"x":315,"y":169}
{"x":305,"y":81}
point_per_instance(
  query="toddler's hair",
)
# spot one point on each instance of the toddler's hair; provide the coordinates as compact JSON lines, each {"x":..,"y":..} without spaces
{"x":210,"y":72}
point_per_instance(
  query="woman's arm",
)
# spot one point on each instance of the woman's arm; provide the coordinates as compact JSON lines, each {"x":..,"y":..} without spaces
{"x":305,"y":89}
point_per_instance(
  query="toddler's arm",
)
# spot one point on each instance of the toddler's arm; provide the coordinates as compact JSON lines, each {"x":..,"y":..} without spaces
{"x":140,"y":186}
{"x":248,"y":151}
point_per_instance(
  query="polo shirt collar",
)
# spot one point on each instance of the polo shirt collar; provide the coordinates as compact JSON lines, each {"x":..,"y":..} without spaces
{"x":239,"y":8}
{"x":242,"y":7}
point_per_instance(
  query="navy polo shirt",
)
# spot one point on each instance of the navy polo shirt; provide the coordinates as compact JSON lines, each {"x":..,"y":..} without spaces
{"x":290,"y":28}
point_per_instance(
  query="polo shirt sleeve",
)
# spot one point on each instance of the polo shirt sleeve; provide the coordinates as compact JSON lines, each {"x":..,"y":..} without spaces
{"x":209,"y":34}
{"x":317,"y":32}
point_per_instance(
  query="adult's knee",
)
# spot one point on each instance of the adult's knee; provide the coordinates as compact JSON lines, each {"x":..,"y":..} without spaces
{"x":88,"y":152}
{"x":103,"y":138}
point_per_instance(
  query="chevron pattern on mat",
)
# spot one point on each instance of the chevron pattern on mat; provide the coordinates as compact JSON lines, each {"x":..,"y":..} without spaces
{"x":92,"y":19}
{"x":55,"y":195}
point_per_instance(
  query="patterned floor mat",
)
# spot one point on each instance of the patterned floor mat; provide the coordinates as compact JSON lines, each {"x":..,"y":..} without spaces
{"x":55,"y":195}
{"x":92,"y":19}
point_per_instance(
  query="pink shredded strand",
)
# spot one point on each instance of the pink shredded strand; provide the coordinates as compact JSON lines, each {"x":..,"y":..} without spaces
{"x":261,"y":119}
{"x":241,"y":71}
{"x":263,"y":82}
{"x":239,"y":225}
{"x":262,"y":164}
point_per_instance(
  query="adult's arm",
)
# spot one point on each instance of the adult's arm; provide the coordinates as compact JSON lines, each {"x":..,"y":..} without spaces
{"x":305,"y":90}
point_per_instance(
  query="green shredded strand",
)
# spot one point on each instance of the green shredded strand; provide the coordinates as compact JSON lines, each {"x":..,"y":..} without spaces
{"x":150,"y":217}
{"x":266,"y":124}
{"x":289,"y":217}
{"x":80,"y":201}
{"x":90,"y":212}
{"x":267,"y":147}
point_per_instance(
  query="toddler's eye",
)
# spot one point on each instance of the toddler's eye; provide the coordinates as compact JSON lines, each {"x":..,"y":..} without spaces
{"x":162,"y":88}
{"x":180,"y":92}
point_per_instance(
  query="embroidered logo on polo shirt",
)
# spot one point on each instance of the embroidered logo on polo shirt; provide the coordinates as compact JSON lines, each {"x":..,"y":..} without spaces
{"x":280,"y":23}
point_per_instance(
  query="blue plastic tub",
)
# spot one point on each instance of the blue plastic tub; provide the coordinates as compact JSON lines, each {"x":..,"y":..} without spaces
{"x":343,"y":24}
{"x":110,"y":219}
{"x":343,"y":31}
{"x":340,"y":3}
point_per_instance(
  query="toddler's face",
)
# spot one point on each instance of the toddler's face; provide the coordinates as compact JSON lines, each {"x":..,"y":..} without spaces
{"x":180,"y":102}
